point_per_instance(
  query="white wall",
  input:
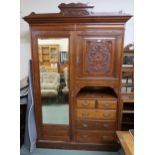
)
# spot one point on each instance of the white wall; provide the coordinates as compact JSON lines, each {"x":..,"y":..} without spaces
{"x":50,"y":6}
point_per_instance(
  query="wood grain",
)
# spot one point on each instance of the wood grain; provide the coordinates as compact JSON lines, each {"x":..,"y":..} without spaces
{"x":126,"y":141}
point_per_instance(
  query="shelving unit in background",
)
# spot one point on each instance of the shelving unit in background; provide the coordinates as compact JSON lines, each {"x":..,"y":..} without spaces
{"x":127,"y":91}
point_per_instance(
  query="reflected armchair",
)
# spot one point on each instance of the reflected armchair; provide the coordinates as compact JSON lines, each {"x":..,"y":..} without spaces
{"x":50,"y":82}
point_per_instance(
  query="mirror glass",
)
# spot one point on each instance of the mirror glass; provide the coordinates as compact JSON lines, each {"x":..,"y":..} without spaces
{"x":53,"y":64}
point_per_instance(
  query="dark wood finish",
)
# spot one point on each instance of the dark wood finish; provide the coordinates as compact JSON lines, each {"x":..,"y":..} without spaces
{"x":95,"y":59}
{"x":77,"y":145}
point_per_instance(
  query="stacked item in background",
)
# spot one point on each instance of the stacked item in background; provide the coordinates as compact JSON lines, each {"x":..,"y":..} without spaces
{"x":127,"y":90}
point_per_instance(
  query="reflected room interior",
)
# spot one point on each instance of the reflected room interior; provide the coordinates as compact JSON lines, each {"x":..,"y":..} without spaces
{"x":53,"y":64}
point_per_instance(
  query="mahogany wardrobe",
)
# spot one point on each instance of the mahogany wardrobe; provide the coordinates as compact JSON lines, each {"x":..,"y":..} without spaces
{"x":76,"y":64}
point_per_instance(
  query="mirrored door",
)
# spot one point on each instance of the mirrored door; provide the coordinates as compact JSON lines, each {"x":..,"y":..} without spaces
{"x":54,"y":77}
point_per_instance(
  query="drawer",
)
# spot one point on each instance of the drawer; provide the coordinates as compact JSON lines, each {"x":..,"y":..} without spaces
{"x":85,"y":113}
{"x":107,"y":104}
{"x":105,"y":114}
{"x":96,"y":114}
{"x":95,"y":137}
{"x":85,"y":103}
{"x":95,"y":125}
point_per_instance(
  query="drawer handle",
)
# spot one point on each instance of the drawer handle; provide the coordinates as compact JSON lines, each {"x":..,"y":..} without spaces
{"x":107,"y":105}
{"x":84,"y":125}
{"x":84,"y":136}
{"x":106,"y":125}
{"x":85,"y":114}
{"x":85,"y":104}
{"x":105,"y":137}
{"x":106,"y":115}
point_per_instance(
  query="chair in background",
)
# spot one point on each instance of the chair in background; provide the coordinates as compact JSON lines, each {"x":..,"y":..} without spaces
{"x":50,"y":82}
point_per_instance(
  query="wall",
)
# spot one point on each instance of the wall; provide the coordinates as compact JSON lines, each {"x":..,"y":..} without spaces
{"x":63,"y":43}
{"x":47,"y":6}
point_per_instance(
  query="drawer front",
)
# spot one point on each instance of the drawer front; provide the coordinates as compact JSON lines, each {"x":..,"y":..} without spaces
{"x":107,"y":104}
{"x":96,"y":114}
{"x":94,"y":137}
{"x":85,"y":114}
{"x":96,"y":125}
{"x":105,"y":114}
{"x":85,"y":103}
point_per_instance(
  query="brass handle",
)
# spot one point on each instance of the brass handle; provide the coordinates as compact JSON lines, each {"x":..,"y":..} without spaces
{"x":85,"y":103}
{"x":104,"y":137}
{"x":84,"y":125}
{"x":84,"y":136}
{"x":106,"y":115}
{"x":107,"y":105}
{"x":106,"y":125}
{"x":85,"y":114}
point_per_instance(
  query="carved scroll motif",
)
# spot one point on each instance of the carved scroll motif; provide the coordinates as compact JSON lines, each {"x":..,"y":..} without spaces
{"x":98,"y":56}
{"x":75,"y":9}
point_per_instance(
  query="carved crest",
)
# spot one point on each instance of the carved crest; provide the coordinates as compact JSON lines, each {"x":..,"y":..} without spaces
{"x":75,"y":9}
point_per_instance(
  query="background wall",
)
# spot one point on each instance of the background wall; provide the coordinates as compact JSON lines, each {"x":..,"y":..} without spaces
{"x":49,"y":6}
{"x":62,"y":42}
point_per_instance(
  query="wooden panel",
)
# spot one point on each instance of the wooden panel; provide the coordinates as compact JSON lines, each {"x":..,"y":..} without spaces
{"x":85,"y":103}
{"x":94,"y":136}
{"x":55,"y":130}
{"x":96,"y":56}
{"x":95,"y":125}
{"x":56,"y":138}
{"x":107,"y":104}
{"x":77,"y":145}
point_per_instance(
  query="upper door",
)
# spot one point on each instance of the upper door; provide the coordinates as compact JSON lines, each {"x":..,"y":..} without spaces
{"x":97,"y":55}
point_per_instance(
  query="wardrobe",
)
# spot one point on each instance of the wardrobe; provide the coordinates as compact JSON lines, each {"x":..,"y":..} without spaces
{"x":79,"y":107}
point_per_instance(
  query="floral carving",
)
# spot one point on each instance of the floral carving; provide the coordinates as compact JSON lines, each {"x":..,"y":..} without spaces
{"x":98,"y":56}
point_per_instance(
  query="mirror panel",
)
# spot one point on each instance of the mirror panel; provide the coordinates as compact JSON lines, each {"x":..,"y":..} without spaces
{"x":53,"y":67}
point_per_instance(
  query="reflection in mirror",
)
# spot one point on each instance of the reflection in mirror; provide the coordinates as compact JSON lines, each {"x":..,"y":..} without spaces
{"x":53,"y":63}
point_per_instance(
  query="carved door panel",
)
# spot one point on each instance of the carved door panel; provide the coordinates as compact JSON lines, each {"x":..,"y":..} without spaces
{"x":96,"y":56}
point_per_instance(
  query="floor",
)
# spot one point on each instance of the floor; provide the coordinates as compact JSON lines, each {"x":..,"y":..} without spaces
{"x":40,"y":151}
